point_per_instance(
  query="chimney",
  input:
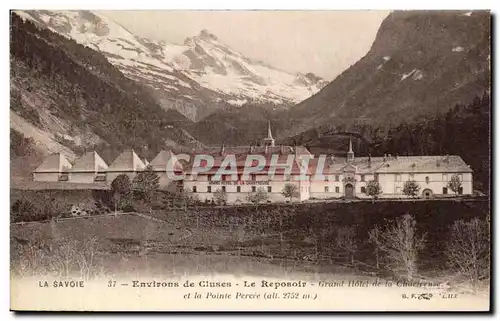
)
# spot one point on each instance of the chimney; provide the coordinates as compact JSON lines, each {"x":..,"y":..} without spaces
{"x":222,"y":149}
{"x":282,"y":149}
{"x":251,"y":149}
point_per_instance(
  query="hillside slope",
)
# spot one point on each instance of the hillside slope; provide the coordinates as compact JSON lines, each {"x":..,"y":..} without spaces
{"x":69,"y":98}
{"x":421,"y":63}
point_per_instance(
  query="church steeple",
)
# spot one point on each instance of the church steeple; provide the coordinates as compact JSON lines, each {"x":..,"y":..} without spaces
{"x":350,"y":153}
{"x":269,"y":140}
{"x":269,"y":134}
{"x":222,"y":149}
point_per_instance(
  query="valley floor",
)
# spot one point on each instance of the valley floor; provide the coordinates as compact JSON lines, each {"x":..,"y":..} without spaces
{"x":133,"y":245}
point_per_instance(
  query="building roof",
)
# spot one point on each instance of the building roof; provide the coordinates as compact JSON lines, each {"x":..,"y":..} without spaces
{"x":126,"y":161}
{"x":400,"y":164}
{"x":425,"y":164}
{"x":160,"y":162}
{"x":89,"y":162}
{"x":245,"y":150}
{"x":54,"y":163}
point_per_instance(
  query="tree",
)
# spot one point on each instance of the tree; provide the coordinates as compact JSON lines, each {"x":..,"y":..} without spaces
{"x":468,"y":248}
{"x":455,"y":184}
{"x":346,"y":239}
{"x":290,"y":191}
{"x":374,"y":239}
{"x":373,"y":189}
{"x":220,"y":197}
{"x":120,"y":188}
{"x":411,"y":189}
{"x":259,"y":196}
{"x":402,"y":244}
{"x":145,"y":184}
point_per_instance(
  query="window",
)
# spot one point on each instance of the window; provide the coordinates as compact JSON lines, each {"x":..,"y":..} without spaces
{"x":100,"y":178}
{"x":445,"y":190}
{"x":269,"y":189}
{"x":337,"y":189}
{"x":253,"y":177}
{"x":445,"y":178}
{"x":427,"y":179}
{"x":376,"y":177}
{"x":398,"y":177}
{"x":398,"y":190}
{"x":362,"y":178}
{"x":210,"y":177}
{"x":412,"y":177}
{"x":363,"y":189}
{"x":337,"y":178}
{"x":460,"y":190}
{"x":194,"y":189}
{"x":224,"y":188}
{"x":209,"y":189}
{"x":460,"y":177}
{"x":254,"y":189}
{"x":326,"y":178}
{"x":238,"y":189}
{"x":326,"y":189}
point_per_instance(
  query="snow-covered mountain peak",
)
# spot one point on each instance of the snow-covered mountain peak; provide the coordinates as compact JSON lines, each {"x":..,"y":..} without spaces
{"x":197,"y":77}
{"x":207,"y":35}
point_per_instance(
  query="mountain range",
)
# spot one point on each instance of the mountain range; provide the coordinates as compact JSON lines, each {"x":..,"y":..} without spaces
{"x":422,"y":63}
{"x":197,"y":77}
{"x":79,"y":81}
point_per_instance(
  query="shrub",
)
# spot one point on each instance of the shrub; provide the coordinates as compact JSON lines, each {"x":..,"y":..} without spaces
{"x":402,"y":244}
{"x":468,"y":248}
{"x":411,"y":189}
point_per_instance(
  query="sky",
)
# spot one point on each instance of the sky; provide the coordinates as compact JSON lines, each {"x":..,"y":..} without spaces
{"x":322,"y":42}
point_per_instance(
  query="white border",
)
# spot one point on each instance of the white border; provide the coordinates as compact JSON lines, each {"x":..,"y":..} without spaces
{"x":188,"y":4}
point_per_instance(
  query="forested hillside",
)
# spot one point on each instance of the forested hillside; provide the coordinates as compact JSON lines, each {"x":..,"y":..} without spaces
{"x":65,"y":95}
{"x":463,"y":130}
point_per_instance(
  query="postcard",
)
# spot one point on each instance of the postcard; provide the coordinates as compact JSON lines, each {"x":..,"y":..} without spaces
{"x":250,"y":160}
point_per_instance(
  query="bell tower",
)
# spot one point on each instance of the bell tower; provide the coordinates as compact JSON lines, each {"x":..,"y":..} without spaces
{"x":350,"y":153}
{"x":269,"y":140}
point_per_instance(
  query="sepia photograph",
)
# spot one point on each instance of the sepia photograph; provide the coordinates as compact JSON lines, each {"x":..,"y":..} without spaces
{"x":250,"y":160}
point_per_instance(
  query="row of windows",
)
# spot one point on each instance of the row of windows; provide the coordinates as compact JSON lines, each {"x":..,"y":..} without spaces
{"x":336,"y":179}
{"x":445,"y":190}
{"x":411,"y":177}
{"x":238,"y":189}
{"x":327,"y":189}
{"x":228,"y":178}
{"x":253,"y":177}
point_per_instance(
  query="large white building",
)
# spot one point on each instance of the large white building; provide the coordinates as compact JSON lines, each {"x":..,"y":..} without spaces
{"x":314,"y":177}
{"x":330,"y":178}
